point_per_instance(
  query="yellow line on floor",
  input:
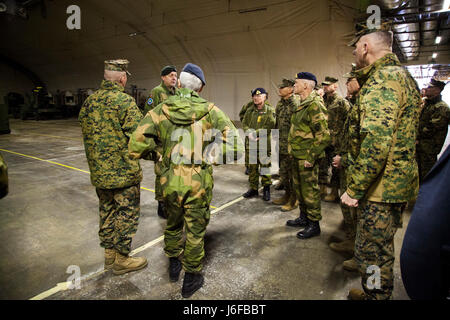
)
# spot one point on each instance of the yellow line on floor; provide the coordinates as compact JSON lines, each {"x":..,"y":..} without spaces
{"x":59,"y":137}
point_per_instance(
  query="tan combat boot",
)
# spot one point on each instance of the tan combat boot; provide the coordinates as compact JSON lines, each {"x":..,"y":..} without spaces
{"x":333,"y":196}
{"x":283,"y":200}
{"x":291,"y":205}
{"x":346,"y":246}
{"x":350,"y":265}
{"x":110,"y":257}
{"x":356,"y":294}
{"x":323,"y":190}
{"x":124,"y":264}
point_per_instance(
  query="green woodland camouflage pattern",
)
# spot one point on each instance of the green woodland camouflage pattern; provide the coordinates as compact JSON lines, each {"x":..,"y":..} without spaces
{"x":180,"y":125}
{"x":119,"y":217}
{"x":374,"y":245}
{"x":284,"y":110}
{"x":433,"y":127}
{"x":3,"y":177}
{"x":158,"y":95}
{"x":308,"y":138}
{"x":384,"y":169}
{"x":108,"y":117}
{"x":261,"y":122}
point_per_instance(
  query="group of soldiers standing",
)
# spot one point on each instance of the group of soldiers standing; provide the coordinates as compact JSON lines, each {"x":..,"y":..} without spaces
{"x":368,"y":140}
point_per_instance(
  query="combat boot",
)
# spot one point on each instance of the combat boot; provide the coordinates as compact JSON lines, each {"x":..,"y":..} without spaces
{"x":110,"y":257}
{"x":282,"y":201}
{"x":250,"y":193}
{"x":356,"y":294}
{"x":162,"y":210}
{"x":246,"y":171}
{"x":266,"y":194}
{"x":350,"y":265}
{"x":124,"y":264}
{"x":301,"y":221}
{"x":346,"y":246}
{"x":333,"y":196}
{"x":191,"y":283}
{"x":311,"y":230}
{"x":291,"y":205}
{"x":174,"y":269}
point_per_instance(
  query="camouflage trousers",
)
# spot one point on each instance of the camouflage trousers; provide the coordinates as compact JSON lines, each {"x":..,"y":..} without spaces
{"x":306,"y":186}
{"x":374,"y":246}
{"x":350,"y":214}
{"x":119,"y":217}
{"x":425,"y":162}
{"x":158,"y":188}
{"x":323,"y":171}
{"x":259,"y":167}
{"x":187,"y":197}
{"x":286,"y":172}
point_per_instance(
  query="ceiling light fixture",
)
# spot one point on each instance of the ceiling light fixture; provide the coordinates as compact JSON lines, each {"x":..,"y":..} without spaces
{"x":438,"y":39}
{"x":434,"y":56}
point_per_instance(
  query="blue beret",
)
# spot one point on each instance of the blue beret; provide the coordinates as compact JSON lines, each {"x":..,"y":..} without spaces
{"x":306,"y":76}
{"x":259,"y":91}
{"x":195,"y":70}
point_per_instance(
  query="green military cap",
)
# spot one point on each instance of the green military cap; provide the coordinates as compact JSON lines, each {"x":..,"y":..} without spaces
{"x":117,"y":65}
{"x":351,"y":74}
{"x":329,"y":80}
{"x":436,"y":83}
{"x":286,"y":83}
{"x":362,"y":30}
{"x":167,"y":70}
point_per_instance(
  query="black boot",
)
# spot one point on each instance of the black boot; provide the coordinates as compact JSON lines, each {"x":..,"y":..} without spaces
{"x":266,"y":194}
{"x":312,"y":230}
{"x":301,"y":221}
{"x":250,"y":193}
{"x":279,"y":186}
{"x":246,"y":171}
{"x":162,"y":210}
{"x":192,"y":282}
{"x":174,"y":269}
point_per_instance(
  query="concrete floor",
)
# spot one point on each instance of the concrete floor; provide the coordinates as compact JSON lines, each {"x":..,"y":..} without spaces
{"x":49,"y":221}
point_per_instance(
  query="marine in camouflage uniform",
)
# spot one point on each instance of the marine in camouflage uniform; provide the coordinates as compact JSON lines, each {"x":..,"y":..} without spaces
{"x":433,"y":127}
{"x":158,"y":95}
{"x":337,"y":114}
{"x":383,"y":175}
{"x":3,"y":177}
{"x":187,"y":175}
{"x":259,"y":122}
{"x":308,"y":138}
{"x":107,"y":118}
{"x":284,"y":110}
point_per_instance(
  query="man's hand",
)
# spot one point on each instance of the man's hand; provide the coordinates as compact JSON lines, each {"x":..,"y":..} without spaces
{"x":350,"y":202}
{"x":337,"y":162}
{"x":308,"y":165}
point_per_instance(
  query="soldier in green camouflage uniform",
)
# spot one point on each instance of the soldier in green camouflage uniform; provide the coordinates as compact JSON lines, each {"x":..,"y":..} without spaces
{"x":383,"y":175}
{"x":180,"y":125}
{"x":284,"y":110}
{"x":158,"y":95}
{"x":258,"y":121}
{"x":3,"y":177}
{"x":337,"y":114}
{"x":244,"y":109}
{"x":308,"y":138}
{"x":340,"y":161}
{"x":433,"y":127}
{"x":107,"y":118}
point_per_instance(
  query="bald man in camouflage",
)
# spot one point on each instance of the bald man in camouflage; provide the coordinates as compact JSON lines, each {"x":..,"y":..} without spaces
{"x":187,"y":179}
{"x":107,"y":118}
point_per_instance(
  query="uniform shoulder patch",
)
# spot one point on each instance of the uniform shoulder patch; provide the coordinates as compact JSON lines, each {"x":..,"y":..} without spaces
{"x":150,"y":101}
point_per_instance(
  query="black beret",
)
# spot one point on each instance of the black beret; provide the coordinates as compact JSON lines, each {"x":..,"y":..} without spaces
{"x":259,"y":91}
{"x":306,"y":76}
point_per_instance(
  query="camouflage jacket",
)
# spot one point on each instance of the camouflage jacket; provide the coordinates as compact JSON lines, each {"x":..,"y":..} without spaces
{"x":157,"y":96}
{"x":284,"y":110}
{"x":383,"y":165}
{"x":352,"y":119}
{"x":3,"y":177}
{"x":338,"y":109}
{"x":247,"y":106}
{"x":188,"y":129}
{"x":107,"y":118}
{"x":309,"y":134}
{"x":433,"y":126}
{"x":260,"y":119}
